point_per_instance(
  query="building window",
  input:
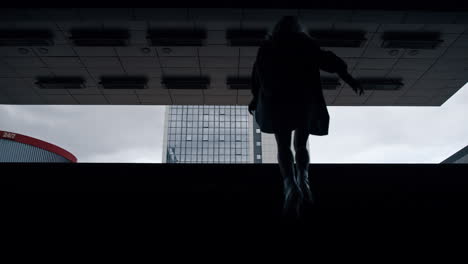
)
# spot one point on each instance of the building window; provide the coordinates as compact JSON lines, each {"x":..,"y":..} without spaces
{"x":205,"y":137}
{"x":258,"y":143}
{"x":189,"y":137}
{"x":259,"y":156}
{"x":258,"y":131}
{"x":221,"y":137}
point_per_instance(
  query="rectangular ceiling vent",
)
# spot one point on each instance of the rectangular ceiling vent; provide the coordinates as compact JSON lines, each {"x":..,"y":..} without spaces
{"x":245,"y":37}
{"x":60,"y":82}
{"x":411,"y":40}
{"x":330,"y":83}
{"x":124,"y":82}
{"x":26,"y":38}
{"x":338,"y":38}
{"x":239,"y":83}
{"x":99,"y":38}
{"x":381,"y":84}
{"x":186,"y":82}
{"x":176,"y":37}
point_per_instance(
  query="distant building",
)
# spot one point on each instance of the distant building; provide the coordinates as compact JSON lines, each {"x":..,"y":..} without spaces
{"x":215,"y":134}
{"x":459,"y":157}
{"x":15,"y":147}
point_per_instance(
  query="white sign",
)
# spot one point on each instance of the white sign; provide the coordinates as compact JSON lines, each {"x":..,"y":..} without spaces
{"x":8,"y":135}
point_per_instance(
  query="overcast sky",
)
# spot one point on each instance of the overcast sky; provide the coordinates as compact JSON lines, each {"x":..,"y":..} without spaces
{"x":357,"y":134}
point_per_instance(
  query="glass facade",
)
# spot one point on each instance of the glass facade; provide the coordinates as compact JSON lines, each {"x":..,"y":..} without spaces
{"x":208,"y":134}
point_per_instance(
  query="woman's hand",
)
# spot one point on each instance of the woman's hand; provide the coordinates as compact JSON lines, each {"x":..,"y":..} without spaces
{"x":355,"y":85}
{"x":357,"y":88}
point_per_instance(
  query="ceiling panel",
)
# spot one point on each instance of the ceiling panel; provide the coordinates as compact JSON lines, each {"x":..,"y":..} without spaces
{"x":95,"y":51}
{"x":160,"y":13}
{"x":148,"y":72}
{"x":7,"y":71}
{"x":375,"y":64}
{"x":412,"y":101}
{"x":423,"y":54}
{"x":264,"y":18}
{"x":346,"y":52}
{"x":111,"y":62}
{"x":222,"y":62}
{"x":405,"y":74}
{"x":127,"y":24}
{"x":22,"y":62}
{"x":368,"y":27}
{"x":377,"y":17}
{"x":446,"y":66}
{"x":380,"y":53}
{"x":248,"y":51}
{"x":137,"y":51}
{"x":336,"y":15}
{"x":123,"y":99}
{"x":220,"y":100}
{"x":427,"y":17}
{"x":414,"y":64}
{"x":192,"y":92}
{"x":138,"y":37}
{"x":89,"y":90}
{"x":64,"y":99}
{"x":381,"y":100}
{"x":55,"y":51}
{"x":32,"y":73}
{"x":177,"y":51}
{"x":218,"y":51}
{"x":105,"y":13}
{"x":32,"y":99}
{"x":246,"y":62}
{"x":176,"y":62}
{"x":341,"y":100}
{"x":187,"y":100}
{"x":444,"y":28}
{"x":400,"y":27}
{"x":156,"y":99}
{"x":97,"y":73}
{"x":143,"y":62}
{"x":244,"y":99}
{"x":216,"y":18}
{"x":91,"y":99}
{"x":68,"y":24}
{"x":66,"y":62}
{"x":455,"y":53}
{"x":461,"y":42}
{"x":183,"y":71}
{"x":16,"y":52}
{"x":216,"y":37}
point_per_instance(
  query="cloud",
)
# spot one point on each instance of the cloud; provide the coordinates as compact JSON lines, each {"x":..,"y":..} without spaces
{"x":394,"y":134}
{"x":357,"y":134}
{"x":92,"y":133}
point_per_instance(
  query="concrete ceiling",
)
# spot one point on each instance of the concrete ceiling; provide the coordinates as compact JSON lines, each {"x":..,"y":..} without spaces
{"x":430,"y":76}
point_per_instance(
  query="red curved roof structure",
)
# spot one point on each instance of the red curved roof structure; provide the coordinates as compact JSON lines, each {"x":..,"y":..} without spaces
{"x":37,"y":143}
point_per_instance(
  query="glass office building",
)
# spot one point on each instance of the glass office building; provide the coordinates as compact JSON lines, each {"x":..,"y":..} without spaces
{"x":208,"y":134}
{"x":215,"y":134}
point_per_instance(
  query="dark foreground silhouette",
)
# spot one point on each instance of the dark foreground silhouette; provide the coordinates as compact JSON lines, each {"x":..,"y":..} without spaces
{"x":287,"y":96}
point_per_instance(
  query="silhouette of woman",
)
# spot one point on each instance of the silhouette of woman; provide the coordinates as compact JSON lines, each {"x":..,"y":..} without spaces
{"x":287,"y":96}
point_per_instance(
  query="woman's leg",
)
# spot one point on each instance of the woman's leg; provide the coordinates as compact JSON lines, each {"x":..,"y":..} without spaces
{"x":302,"y":163}
{"x":286,"y":164}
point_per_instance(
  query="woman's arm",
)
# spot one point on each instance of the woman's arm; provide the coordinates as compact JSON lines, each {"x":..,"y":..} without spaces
{"x":331,"y":63}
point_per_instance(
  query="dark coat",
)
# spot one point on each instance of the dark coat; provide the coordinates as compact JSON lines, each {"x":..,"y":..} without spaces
{"x":286,"y":84}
